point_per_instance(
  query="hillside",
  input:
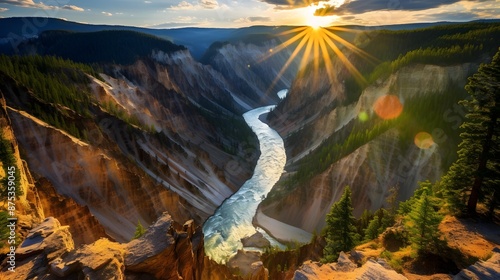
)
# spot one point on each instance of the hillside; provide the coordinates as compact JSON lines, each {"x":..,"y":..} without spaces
{"x":120,"y":47}
{"x":338,"y":139}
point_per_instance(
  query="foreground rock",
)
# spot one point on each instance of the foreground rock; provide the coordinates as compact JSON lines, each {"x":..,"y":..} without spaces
{"x":248,"y":264}
{"x":256,"y":240}
{"x":345,"y":269}
{"x":44,"y":244}
{"x":167,"y":250}
{"x":484,"y":270}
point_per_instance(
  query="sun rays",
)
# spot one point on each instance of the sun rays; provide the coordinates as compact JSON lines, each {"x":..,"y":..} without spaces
{"x":317,"y":46}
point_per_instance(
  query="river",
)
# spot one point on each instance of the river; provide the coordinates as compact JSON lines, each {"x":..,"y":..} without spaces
{"x":233,"y":219}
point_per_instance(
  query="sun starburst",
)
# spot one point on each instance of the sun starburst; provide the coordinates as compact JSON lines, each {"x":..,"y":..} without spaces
{"x":318,"y":45}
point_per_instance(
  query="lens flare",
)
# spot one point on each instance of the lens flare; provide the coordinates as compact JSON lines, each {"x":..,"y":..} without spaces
{"x":388,"y":107}
{"x":423,"y":140}
{"x":363,"y":116}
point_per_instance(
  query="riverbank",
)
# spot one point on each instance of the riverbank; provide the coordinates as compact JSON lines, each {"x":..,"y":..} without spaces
{"x":282,"y":232}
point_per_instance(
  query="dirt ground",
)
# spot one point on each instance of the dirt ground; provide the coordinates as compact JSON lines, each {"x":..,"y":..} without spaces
{"x":472,"y":238}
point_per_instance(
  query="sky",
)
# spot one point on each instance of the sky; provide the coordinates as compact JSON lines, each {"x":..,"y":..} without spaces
{"x":233,"y":13}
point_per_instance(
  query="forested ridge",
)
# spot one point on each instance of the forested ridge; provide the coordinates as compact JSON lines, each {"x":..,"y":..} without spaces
{"x":60,"y":91}
{"x":113,"y":46}
{"x":441,"y":45}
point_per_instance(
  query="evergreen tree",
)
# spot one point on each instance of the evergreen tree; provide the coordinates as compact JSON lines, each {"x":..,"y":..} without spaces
{"x":340,"y":230}
{"x":423,"y":222}
{"x":139,"y":230}
{"x":476,"y":173}
{"x":382,"y":219}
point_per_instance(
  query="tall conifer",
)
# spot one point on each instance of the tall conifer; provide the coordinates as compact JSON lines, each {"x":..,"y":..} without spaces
{"x":340,"y":230}
{"x":476,"y":173}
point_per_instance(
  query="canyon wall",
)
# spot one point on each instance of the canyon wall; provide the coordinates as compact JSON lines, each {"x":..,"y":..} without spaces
{"x":388,"y":161}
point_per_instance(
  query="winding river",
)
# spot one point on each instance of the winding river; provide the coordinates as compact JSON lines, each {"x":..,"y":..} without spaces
{"x":233,"y":219}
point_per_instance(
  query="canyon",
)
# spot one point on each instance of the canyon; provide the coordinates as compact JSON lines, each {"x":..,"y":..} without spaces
{"x":164,"y":144}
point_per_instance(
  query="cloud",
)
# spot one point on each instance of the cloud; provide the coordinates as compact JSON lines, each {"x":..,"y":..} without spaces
{"x":201,"y":5}
{"x":209,"y":4}
{"x":26,"y":4}
{"x":292,"y":4}
{"x":148,"y":2}
{"x":363,"y":6}
{"x":254,"y":19}
{"x":182,"y":6}
{"x":448,"y":16}
{"x":3,"y":10}
{"x":174,"y":24}
{"x":72,"y":8}
{"x":40,"y":5}
{"x":326,"y":10}
{"x":107,"y":14}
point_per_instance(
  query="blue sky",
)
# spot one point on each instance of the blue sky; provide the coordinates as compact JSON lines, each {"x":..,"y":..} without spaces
{"x":233,"y":13}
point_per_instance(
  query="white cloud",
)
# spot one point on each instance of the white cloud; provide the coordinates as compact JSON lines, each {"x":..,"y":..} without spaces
{"x":72,"y":8}
{"x":209,"y":4}
{"x":148,"y":2}
{"x":40,"y":5}
{"x":3,"y":10}
{"x":201,"y":5}
{"x":107,"y":14}
{"x":182,"y":6}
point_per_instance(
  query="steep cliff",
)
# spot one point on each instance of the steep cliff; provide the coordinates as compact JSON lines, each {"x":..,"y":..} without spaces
{"x":123,"y":168}
{"x":387,"y":153}
{"x":39,"y":199}
{"x":256,"y":71}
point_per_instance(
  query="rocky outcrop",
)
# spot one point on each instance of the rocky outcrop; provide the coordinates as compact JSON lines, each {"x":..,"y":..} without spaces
{"x":44,"y":244}
{"x":100,"y":260}
{"x":484,"y":270}
{"x":345,"y":269}
{"x":256,"y":240}
{"x":166,"y":251}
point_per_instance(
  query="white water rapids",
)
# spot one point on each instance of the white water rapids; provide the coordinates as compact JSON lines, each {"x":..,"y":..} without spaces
{"x":233,"y":219}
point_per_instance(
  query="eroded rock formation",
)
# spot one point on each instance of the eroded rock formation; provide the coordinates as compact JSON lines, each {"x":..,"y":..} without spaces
{"x":166,"y":251}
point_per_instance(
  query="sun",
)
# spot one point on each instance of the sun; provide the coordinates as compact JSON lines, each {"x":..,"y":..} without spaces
{"x":316,"y":22}
{"x":317,"y":42}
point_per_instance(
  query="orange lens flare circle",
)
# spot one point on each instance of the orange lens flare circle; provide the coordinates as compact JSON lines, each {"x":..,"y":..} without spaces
{"x":423,"y":140}
{"x":388,"y":107}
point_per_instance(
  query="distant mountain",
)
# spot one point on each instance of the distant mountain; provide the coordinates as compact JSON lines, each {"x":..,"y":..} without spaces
{"x":111,"y":46}
{"x":197,"y":40}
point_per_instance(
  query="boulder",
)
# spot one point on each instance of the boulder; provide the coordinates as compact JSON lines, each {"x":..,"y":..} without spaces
{"x":344,"y":264}
{"x":345,"y":269}
{"x":102,"y":259}
{"x":49,"y":238}
{"x":484,"y":270}
{"x":256,"y":240}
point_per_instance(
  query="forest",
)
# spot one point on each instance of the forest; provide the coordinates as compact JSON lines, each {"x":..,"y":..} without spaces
{"x":440,"y":45}
{"x":117,"y":47}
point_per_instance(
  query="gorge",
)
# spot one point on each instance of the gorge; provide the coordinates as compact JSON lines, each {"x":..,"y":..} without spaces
{"x":176,"y":148}
{"x":232,"y":221}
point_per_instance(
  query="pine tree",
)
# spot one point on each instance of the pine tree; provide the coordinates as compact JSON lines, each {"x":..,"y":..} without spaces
{"x":139,"y":230}
{"x":340,"y":230}
{"x":423,"y":222}
{"x":476,"y":173}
